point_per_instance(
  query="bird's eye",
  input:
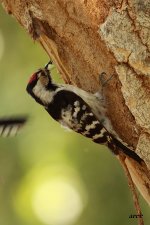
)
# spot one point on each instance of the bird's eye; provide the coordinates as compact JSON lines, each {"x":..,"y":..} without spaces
{"x":43,"y":78}
{"x":39,"y":73}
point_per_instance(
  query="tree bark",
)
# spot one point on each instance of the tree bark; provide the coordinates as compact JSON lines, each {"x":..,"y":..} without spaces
{"x":87,"y":37}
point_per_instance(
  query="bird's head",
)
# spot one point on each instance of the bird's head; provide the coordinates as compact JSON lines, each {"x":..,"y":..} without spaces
{"x":40,"y":85}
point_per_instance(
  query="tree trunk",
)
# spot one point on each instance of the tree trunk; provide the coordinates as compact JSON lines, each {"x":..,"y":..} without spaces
{"x":87,"y":37}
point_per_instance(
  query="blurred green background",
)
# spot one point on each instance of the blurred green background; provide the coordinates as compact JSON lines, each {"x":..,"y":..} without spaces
{"x":47,"y":174}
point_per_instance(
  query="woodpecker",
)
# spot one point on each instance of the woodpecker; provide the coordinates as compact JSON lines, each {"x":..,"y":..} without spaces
{"x":76,"y":109}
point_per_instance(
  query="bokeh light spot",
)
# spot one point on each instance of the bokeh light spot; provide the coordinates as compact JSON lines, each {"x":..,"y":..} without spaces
{"x":57,"y":202}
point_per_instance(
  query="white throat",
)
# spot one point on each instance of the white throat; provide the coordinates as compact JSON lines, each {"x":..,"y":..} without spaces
{"x":44,"y":95}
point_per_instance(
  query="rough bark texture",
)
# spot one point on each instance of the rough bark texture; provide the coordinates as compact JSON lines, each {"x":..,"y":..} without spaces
{"x":87,"y":37}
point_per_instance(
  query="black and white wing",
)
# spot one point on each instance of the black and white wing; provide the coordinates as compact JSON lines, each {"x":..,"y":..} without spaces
{"x":73,"y":112}
{"x":9,"y":127}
